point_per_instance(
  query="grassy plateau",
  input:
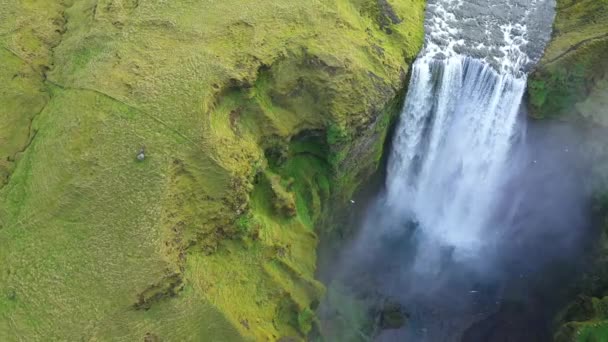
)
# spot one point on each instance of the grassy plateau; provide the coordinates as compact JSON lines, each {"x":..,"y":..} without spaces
{"x":251,"y":120}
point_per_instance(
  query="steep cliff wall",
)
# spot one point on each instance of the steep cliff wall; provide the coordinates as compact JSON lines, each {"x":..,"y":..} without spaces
{"x":164,"y":163}
{"x":571,"y":84}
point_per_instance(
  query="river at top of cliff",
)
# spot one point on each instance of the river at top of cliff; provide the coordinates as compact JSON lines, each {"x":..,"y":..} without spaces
{"x":507,"y":34}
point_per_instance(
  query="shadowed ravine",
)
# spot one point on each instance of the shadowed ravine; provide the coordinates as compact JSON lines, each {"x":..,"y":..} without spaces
{"x":479,"y":206}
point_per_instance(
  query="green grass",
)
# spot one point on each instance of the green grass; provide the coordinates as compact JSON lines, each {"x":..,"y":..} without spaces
{"x":593,"y":332}
{"x":587,"y":321}
{"x":184,"y":245}
{"x":574,"y":65}
{"x":306,"y":318}
{"x":22,"y":89}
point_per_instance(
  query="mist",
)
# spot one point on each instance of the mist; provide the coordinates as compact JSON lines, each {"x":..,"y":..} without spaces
{"x":534,"y":249}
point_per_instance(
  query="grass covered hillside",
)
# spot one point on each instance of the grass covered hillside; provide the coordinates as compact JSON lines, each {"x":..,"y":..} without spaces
{"x":573,"y":75}
{"x":164,"y":164}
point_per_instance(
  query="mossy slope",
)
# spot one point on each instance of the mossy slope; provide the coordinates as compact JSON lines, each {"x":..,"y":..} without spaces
{"x":574,"y":70}
{"x":254,"y":119}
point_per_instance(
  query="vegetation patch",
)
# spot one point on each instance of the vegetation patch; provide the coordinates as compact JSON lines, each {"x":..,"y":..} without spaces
{"x":168,"y":287}
{"x":573,"y":64}
{"x":214,"y":231}
{"x":570,"y":83}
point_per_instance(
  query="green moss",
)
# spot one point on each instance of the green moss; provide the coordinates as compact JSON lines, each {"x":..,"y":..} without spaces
{"x":588,"y":321}
{"x":336,"y":135}
{"x":87,"y":232}
{"x":597,"y":331}
{"x":358,"y":162}
{"x":307,"y":171}
{"x":187,"y":318}
{"x":284,"y":201}
{"x":586,"y":317}
{"x":248,"y":225}
{"x":306,"y":318}
{"x":23,"y":97}
{"x":574,"y":62}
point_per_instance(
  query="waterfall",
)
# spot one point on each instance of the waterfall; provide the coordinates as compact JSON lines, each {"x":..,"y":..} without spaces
{"x":459,"y":126}
{"x":447,"y":236}
{"x":451,"y":150}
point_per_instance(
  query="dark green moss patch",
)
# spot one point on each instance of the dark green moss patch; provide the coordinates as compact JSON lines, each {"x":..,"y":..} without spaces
{"x":555,"y":89}
{"x":168,"y":287}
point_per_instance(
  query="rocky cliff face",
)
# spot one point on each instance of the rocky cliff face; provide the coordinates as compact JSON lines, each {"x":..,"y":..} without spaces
{"x":571,"y":84}
{"x":164,"y":164}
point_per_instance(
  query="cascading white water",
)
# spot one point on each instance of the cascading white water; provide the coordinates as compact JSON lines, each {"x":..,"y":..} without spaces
{"x":459,"y":125}
{"x":451,"y":149}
